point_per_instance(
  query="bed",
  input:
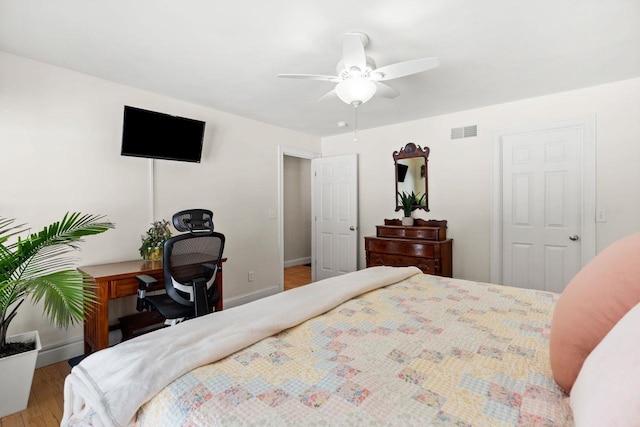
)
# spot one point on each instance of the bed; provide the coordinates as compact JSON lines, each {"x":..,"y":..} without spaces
{"x":389,"y":346}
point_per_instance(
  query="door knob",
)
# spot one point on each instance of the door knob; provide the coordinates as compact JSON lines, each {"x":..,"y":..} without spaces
{"x":352,"y":228}
{"x":574,"y":237}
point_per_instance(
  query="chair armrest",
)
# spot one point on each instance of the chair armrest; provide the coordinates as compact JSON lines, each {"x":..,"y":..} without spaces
{"x":144,"y":281}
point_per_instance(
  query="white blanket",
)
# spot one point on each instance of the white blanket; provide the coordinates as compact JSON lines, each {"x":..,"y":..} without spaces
{"x":116,"y":381}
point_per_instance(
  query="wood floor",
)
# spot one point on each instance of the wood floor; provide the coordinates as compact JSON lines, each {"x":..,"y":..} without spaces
{"x":297,"y":276}
{"x":46,"y":399}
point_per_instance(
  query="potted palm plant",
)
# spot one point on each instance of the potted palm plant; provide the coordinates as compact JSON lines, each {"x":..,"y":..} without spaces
{"x":37,"y":266}
{"x":409,"y":202}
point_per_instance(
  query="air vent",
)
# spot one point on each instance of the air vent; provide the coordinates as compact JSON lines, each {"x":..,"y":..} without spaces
{"x":464,"y":132}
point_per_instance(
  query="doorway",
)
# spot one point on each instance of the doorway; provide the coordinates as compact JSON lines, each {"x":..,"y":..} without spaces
{"x":543,"y":219}
{"x":296,"y":213}
{"x":295,"y":230}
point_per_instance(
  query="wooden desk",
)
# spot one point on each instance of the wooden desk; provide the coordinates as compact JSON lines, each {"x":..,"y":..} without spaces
{"x":118,"y":280}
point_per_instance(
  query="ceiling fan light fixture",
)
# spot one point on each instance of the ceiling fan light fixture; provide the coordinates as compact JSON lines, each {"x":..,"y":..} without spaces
{"x":355,"y":90}
{"x":358,"y":77}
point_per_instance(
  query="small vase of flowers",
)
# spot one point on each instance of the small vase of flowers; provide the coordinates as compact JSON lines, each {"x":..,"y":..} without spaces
{"x":153,"y":240}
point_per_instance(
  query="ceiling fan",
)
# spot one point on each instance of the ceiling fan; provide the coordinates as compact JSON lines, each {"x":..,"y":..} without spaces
{"x":359,"y":79}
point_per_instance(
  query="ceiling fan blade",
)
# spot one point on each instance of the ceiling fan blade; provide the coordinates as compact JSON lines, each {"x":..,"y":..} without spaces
{"x":353,"y":52}
{"x":406,"y":68}
{"x":386,"y":91}
{"x":311,"y":77}
{"x":328,"y":95}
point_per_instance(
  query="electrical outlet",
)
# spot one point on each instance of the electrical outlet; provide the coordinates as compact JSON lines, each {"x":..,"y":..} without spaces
{"x":250,"y":276}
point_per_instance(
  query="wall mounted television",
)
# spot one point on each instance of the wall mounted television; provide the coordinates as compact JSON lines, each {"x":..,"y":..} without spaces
{"x":161,"y":136}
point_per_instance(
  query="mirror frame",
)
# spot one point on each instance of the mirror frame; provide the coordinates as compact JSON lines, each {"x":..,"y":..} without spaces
{"x":409,"y":151}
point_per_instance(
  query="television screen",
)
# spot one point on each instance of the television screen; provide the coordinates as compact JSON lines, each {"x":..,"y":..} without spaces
{"x":161,"y":136}
{"x":402,"y":172}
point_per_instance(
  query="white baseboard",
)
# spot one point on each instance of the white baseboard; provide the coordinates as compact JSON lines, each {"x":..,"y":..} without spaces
{"x":58,"y":353}
{"x":243,"y":299}
{"x":61,"y":352}
{"x":299,"y":261}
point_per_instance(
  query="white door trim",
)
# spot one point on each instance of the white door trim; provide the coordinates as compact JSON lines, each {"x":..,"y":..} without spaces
{"x":588,"y":233}
{"x":284,"y":150}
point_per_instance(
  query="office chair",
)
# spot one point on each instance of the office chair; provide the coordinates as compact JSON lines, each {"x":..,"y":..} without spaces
{"x":190,"y":266}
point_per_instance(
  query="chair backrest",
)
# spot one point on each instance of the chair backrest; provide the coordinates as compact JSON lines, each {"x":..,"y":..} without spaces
{"x":193,"y":256}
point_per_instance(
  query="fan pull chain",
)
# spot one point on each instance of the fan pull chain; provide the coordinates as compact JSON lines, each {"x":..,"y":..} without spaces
{"x":355,"y":135}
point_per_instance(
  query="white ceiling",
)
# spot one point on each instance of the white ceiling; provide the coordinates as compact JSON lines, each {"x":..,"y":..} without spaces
{"x":226,"y":54}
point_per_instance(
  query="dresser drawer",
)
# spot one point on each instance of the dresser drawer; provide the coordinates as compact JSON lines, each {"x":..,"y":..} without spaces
{"x":432,"y":257}
{"x":400,"y":247}
{"x":427,"y":265}
{"x":424,"y":233}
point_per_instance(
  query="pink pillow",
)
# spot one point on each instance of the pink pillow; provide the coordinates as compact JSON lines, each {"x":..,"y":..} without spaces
{"x":607,"y":391}
{"x":591,"y":304}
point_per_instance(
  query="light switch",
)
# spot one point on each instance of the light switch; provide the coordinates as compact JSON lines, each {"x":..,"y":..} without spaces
{"x":601,"y":215}
{"x":272,"y":214}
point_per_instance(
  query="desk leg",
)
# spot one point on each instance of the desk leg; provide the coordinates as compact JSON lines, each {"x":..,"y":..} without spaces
{"x":87,"y":325}
{"x":96,"y":326}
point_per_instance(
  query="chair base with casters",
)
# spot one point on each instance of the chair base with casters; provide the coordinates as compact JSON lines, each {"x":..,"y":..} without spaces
{"x":190,"y":265}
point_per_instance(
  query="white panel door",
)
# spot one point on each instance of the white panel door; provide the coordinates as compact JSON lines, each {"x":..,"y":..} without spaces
{"x":335,"y":183}
{"x":542,"y":208}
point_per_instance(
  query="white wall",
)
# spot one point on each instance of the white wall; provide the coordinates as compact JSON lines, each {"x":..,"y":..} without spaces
{"x":297,"y":210}
{"x":460,"y":171}
{"x":60,"y":136}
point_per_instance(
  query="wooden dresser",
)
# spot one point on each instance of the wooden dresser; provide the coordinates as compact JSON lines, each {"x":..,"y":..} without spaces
{"x":424,"y":245}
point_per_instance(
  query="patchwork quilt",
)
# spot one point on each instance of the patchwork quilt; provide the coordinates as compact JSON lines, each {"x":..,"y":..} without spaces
{"x":425,"y":351}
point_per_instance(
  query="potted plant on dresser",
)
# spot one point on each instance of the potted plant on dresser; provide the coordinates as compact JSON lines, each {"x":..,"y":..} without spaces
{"x":37,"y":266}
{"x":409,"y":202}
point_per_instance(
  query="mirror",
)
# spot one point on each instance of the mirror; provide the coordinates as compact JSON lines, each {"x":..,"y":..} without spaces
{"x":411,"y":173}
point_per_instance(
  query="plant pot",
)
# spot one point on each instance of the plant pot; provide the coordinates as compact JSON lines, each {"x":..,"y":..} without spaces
{"x":154,"y":254}
{"x":407,"y":220}
{"x":17,"y":374}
